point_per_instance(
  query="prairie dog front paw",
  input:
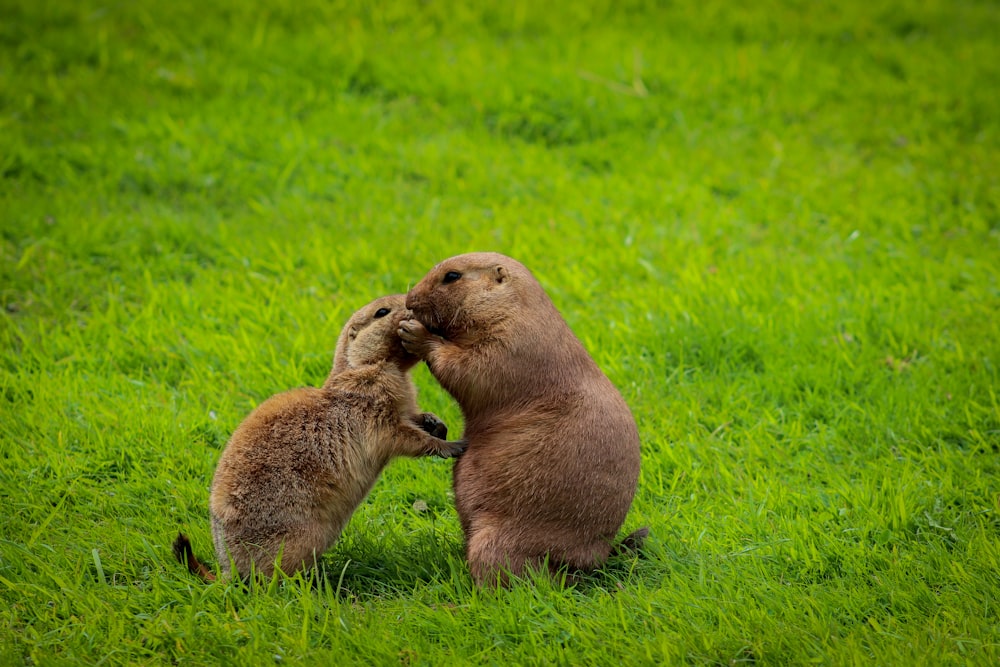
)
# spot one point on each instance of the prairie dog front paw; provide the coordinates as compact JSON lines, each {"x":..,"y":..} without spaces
{"x":433,"y":425}
{"x":452,"y":448}
{"x":417,"y":340}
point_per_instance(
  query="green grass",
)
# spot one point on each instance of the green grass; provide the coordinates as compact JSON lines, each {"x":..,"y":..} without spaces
{"x":776,"y":226}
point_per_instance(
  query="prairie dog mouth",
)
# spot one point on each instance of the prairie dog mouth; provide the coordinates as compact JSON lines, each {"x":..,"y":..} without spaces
{"x":429,"y":321}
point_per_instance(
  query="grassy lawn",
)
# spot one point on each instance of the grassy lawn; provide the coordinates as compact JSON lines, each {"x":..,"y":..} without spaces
{"x":776,"y":227}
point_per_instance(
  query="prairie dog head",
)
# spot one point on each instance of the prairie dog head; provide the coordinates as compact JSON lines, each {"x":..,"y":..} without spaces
{"x":467,"y":295}
{"x":370,"y":335}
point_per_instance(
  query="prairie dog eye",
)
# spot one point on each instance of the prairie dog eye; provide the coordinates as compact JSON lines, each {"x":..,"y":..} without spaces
{"x":451,"y":277}
{"x":381,"y":312}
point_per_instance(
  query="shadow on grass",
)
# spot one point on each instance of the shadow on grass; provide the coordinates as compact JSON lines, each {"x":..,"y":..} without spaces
{"x":366,"y":567}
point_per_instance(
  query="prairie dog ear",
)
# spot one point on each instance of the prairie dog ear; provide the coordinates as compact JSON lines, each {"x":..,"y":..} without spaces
{"x":500,"y":274}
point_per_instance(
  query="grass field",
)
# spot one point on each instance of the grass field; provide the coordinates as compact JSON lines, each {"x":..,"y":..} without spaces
{"x":776,"y":227}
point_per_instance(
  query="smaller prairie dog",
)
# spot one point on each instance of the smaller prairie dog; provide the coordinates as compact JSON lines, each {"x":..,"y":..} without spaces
{"x":295,"y":470}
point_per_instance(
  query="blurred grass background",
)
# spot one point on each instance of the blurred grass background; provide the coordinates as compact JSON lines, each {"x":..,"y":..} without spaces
{"x":774,"y":225}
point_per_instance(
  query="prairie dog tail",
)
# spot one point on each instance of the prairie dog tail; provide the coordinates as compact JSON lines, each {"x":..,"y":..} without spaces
{"x":185,"y":555}
{"x":632,"y":543}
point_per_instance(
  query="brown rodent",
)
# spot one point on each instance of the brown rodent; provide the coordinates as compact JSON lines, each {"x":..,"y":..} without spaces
{"x":553,"y":450}
{"x":295,"y":470}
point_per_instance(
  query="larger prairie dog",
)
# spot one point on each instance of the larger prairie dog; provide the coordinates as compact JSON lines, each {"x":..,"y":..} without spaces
{"x":553,"y":450}
{"x":295,"y":470}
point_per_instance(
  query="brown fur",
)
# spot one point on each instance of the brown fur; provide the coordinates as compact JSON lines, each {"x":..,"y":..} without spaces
{"x":553,"y":456}
{"x":295,"y":470}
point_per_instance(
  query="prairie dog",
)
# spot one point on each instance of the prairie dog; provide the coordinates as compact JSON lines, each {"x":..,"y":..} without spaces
{"x":300,"y":464}
{"x":553,"y":450}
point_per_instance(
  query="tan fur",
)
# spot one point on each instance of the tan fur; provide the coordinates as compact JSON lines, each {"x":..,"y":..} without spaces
{"x":295,"y":470}
{"x":553,"y":454}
